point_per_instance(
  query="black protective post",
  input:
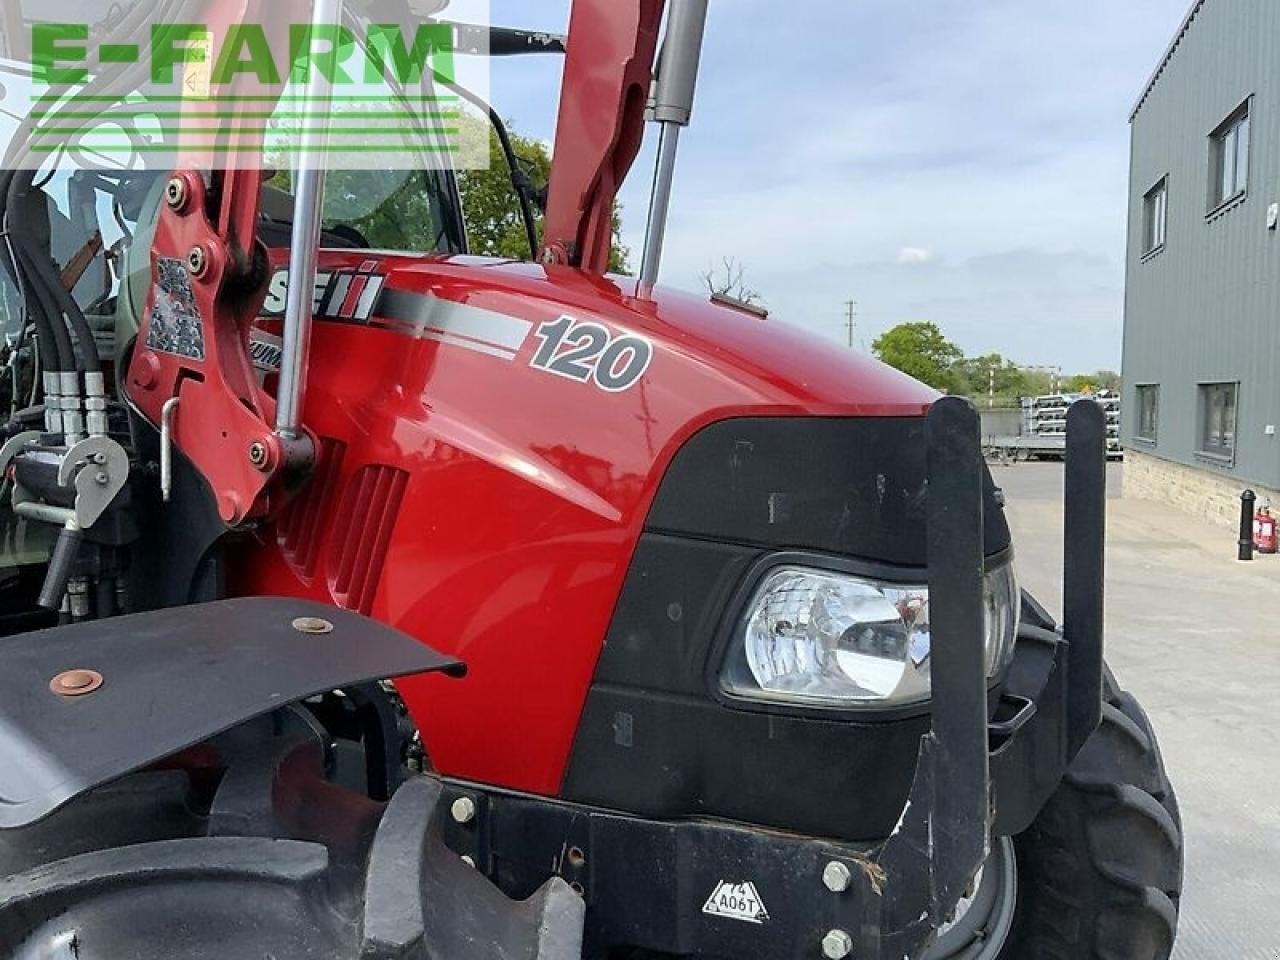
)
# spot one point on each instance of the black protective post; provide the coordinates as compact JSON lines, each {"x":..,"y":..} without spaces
{"x":1085,"y":520}
{"x":956,"y":618}
{"x":1248,"y":501}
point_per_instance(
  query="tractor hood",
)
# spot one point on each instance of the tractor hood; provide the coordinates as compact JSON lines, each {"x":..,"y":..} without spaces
{"x":765,"y":361}
{"x":496,"y":438}
{"x":559,"y":379}
{"x":740,"y":358}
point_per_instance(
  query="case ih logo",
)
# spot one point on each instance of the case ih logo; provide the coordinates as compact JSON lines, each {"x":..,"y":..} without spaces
{"x":339,"y":294}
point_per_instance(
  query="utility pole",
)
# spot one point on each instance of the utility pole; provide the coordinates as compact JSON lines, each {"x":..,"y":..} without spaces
{"x":852,"y":322}
{"x":991,"y":390}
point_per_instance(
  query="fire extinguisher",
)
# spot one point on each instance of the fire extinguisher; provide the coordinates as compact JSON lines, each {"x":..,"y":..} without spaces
{"x":1264,"y":531}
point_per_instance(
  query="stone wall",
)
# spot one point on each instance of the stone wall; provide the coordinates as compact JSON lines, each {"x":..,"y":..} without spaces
{"x":1203,"y":493}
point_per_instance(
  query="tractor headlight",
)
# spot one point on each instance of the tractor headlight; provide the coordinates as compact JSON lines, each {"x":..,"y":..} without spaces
{"x":820,"y":638}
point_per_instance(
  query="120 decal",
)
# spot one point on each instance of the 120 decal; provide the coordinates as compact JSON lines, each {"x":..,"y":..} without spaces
{"x":590,"y":353}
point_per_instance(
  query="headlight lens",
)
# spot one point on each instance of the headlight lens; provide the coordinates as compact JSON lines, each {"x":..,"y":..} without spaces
{"x":828,"y":639}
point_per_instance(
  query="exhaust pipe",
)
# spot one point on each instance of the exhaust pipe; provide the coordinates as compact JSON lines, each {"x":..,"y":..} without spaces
{"x":671,"y":107}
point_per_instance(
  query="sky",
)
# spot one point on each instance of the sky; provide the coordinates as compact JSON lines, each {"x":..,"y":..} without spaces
{"x":944,"y":160}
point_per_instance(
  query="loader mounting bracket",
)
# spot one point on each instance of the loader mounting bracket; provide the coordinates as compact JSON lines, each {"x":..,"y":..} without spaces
{"x":171,"y":679}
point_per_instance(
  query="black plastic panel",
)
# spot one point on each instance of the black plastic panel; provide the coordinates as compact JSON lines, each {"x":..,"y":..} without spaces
{"x":656,"y":738}
{"x":654,"y":741}
{"x":173,"y":678}
{"x":854,"y":488}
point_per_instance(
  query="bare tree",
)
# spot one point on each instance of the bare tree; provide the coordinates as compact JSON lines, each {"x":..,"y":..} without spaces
{"x":729,"y":279}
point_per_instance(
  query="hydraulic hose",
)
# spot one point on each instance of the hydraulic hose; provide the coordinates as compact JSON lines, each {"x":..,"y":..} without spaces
{"x":46,"y":314}
{"x":34,"y":314}
{"x":86,"y":358}
{"x":519,"y":179}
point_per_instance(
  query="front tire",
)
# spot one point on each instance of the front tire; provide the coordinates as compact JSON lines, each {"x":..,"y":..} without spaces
{"x":249,"y":851}
{"x":1098,"y":876}
{"x":1100,"y":870}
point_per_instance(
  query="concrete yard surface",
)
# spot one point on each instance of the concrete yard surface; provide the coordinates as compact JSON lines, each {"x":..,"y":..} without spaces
{"x":1195,"y":635}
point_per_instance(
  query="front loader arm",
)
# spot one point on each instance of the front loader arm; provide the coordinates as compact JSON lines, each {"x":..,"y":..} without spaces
{"x":608,"y":72}
{"x":190,"y":372}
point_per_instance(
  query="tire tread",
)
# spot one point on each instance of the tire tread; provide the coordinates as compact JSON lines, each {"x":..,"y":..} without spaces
{"x":1101,"y":869}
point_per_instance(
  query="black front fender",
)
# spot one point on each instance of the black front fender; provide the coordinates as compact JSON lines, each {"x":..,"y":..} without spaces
{"x":171,"y":679}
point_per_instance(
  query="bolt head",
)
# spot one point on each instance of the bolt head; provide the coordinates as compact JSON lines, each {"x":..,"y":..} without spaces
{"x":837,"y":877}
{"x":76,"y":683}
{"x":312,"y":625}
{"x":463,"y":810}
{"x":197,"y":261}
{"x":837,"y":945}
{"x":258,"y":454}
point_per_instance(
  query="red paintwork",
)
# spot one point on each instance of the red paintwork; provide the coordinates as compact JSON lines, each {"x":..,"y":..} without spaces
{"x":222,"y":413}
{"x":501,"y":504}
{"x":527,"y":492}
{"x":607,"y":74}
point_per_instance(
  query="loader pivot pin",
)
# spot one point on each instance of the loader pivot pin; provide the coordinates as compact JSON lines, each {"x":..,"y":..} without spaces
{"x":176,"y":193}
{"x":76,"y":683}
{"x":197,"y":261}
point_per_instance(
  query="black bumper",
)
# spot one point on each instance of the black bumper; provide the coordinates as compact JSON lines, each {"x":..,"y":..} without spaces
{"x":653,"y":883}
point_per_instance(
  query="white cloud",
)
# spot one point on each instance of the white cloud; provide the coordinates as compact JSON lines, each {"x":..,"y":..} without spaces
{"x":911,"y":255}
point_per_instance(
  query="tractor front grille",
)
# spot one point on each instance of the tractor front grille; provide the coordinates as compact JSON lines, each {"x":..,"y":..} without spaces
{"x":362,"y":533}
{"x":300,"y":531}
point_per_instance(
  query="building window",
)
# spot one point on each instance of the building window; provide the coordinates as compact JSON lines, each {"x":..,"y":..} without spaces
{"x":1155,"y":207}
{"x":1229,"y":151}
{"x":1218,"y":419}
{"x":1148,"y":412}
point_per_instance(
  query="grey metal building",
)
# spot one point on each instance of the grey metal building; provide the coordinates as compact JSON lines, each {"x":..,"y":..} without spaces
{"x":1202,"y":308}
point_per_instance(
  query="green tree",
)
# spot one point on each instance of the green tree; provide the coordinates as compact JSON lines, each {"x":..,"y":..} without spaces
{"x":391,"y":209}
{"x":921,"y":351}
{"x":1010,"y":380}
{"x":1082,"y":383}
{"x":1108,"y":380}
{"x":491,"y":208}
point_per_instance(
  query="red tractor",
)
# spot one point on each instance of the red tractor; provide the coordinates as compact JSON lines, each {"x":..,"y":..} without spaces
{"x":368,"y":604}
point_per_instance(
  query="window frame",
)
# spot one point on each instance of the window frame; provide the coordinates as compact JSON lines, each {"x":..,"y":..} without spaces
{"x":1221,"y":454}
{"x":1224,"y":135}
{"x":1155,"y":214}
{"x":1141,"y":391}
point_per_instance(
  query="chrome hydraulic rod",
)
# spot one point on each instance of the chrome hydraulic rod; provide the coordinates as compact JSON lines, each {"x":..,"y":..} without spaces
{"x":659,"y":203}
{"x":304,"y":249}
{"x":671,"y":106}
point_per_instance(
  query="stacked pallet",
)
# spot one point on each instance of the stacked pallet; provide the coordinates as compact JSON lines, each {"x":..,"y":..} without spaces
{"x":1045,"y":417}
